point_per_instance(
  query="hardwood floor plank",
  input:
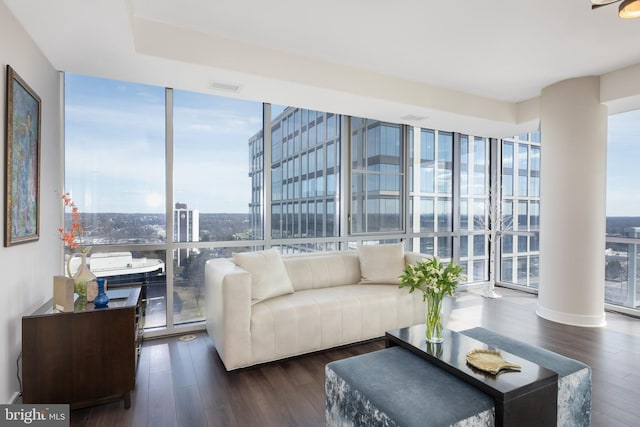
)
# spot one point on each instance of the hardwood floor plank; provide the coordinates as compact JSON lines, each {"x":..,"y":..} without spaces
{"x":182,"y":372}
{"x":189,"y":408}
{"x":162,"y":406}
{"x":295,"y":404}
{"x":140,"y":396}
{"x":158,"y":355}
{"x":220,"y":415}
{"x":185,"y":384}
{"x":267,"y":401}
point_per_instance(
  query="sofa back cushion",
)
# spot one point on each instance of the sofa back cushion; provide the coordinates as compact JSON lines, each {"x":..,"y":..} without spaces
{"x":323,"y":270}
{"x":381,"y":263}
{"x":269,"y":278}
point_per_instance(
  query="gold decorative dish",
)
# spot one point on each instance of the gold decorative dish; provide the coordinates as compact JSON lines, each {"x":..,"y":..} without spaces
{"x":490,"y":361}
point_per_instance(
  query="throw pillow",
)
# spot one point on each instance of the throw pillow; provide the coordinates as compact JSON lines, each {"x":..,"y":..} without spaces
{"x":269,"y":276}
{"x":381,"y":263}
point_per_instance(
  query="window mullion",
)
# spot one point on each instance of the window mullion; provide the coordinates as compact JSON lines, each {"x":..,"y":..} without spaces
{"x":266,"y":176}
{"x":169,"y":254}
{"x":455,"y":196}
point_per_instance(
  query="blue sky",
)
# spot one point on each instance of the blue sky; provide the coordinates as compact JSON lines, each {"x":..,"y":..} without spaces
{"x":115,"y":150}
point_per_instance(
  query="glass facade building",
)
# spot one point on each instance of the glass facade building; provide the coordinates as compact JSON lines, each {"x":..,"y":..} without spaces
{"x":377,"y":177}
{"x":426,"y":187}
{"x":305,"y":170}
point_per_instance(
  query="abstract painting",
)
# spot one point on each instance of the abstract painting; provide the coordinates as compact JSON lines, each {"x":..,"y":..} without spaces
{"x":22,"y":180}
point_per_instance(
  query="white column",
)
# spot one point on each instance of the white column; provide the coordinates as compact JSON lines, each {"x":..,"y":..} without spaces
{"x":572,"y":205}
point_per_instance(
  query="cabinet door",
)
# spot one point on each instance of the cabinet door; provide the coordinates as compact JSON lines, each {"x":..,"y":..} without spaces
{"x":47,"y":348}
{"x":104,"y":356}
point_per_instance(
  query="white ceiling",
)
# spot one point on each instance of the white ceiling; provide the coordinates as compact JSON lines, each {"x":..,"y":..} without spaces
{"x":475,"y":65}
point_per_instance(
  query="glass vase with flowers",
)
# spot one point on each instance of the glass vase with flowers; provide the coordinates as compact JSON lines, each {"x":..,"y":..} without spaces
{"x":435,"y":281}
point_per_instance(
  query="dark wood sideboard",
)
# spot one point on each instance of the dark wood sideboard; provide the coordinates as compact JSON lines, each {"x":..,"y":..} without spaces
{"x":85,"y":357}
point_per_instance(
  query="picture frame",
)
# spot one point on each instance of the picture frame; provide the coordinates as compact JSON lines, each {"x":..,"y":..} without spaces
{"x":22,"y":155}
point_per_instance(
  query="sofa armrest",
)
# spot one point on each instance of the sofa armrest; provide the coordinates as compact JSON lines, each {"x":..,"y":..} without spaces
{"x":228,"y":311}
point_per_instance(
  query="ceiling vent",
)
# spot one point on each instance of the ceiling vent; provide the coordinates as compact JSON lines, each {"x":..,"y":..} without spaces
{"x":226,"y":87}
{"x":413,"y":118}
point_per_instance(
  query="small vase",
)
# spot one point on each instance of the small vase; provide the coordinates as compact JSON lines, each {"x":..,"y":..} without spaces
{"x":101,"y":299}
{"x":84,"y":281}
{"x":433,"y":319}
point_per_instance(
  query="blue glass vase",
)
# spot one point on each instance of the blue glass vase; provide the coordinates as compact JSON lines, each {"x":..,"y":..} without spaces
{"x":102,"y":299}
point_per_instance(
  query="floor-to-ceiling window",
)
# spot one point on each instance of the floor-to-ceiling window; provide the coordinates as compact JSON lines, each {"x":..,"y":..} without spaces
{"x":214,"y":172}
{"x":520,"y":216}
{"x":377,"y":176}
{"x":305,"y":179}
{"x":162,"y":181}
{"x":622,"y":255}
{"x":431,"y":191}
{"x":166,"y":179}
{"x":448,"y":198}
{"x":115,"y":174}
{"x":115,"y":158}
{"x":474,"y":207}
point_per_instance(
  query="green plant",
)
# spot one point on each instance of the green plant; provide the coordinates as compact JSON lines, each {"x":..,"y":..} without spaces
{"x":435,"y":281}
{"x":432,"y":278}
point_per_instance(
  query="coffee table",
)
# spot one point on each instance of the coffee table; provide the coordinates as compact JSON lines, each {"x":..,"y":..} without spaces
{"x":524,"y":398}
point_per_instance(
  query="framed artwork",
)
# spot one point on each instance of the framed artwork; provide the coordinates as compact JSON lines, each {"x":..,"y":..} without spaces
{"x":22,"y":154}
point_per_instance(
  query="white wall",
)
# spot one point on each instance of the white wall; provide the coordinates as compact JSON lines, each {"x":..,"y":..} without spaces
{"x":27,"y":269}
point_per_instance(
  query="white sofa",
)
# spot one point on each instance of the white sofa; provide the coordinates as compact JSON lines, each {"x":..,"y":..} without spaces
{"x":333,"y":299}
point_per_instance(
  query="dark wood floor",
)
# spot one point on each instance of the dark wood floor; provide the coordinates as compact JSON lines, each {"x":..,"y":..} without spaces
{"x":184,"y":383}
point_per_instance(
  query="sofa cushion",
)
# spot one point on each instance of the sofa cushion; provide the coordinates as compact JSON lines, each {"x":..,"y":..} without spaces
{"x":381,"y":263}
{"x":316,"y":319}
{"x":269,"y":277}
{"x":322,"y":270}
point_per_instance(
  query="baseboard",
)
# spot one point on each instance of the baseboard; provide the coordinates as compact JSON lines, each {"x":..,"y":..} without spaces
{"x":14,"y":399}
{"x":571,"y":319}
